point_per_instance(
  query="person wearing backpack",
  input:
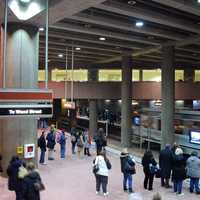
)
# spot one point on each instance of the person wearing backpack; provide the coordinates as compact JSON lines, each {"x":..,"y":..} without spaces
{"x":100,"y":168}
{"x":42,"y":145}
{"x":149,"y":168}
{"x":32,"y":184}
{"x":128,"y":169}
{"x":87,"y":143}
{"x":62,"y":142}
{"x":51,"y":142}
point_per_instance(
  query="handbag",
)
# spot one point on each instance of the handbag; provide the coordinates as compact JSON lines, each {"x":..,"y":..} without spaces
{"x":39,"y":186}
{"x":95,"y":168}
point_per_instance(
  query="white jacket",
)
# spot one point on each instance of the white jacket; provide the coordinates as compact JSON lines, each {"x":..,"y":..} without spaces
{"x":103,"y":170}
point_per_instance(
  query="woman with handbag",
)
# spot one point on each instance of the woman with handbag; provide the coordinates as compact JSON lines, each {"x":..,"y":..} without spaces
{"x":32,"y":184}
{"x":101,"y":167}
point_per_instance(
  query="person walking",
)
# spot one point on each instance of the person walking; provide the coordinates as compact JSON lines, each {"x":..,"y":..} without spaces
{"x":87,"y":143}
{"x":128,"y":169}
{"x":179,"y":171}
{"x":103,"y":165}
{"x":42,"y":145}
{"x":62,"y":142}
{"x":149,"y":168}
{"x":165,"y":163}
{"x":193,"y":171}
{"x":51,"y":142}
{"x":14,"y":182}
{"x":32,"y":184}
{"x":74,"y":135}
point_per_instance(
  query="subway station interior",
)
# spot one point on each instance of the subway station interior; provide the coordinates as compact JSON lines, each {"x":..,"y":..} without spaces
{"x":131,"y":67}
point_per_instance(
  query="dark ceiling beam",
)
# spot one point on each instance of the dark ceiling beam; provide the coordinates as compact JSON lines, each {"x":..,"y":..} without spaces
{"x":113,"y":23}
{"x":96,"y":41}
{"x":100,"y":32}
{"x":186,"y":6}
{"x":149,"y":15}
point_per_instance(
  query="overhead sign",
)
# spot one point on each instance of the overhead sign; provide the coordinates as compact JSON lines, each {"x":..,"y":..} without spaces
{"x":70,"y":105}
{"x":37,"y":110}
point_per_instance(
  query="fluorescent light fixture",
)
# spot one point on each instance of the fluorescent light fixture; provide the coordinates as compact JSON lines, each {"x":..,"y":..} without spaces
{"x":102,"y":38}
{"x":198,"y":1}
{"x":107,"y":100}
{"x":119,"y":101}
{"x":60,"y":55}
{"x":78,"y":48}
{"x":41,"y":29}
{"x":132,"y":2}
{"x":25,"y":1}
{"x":139,"y":24}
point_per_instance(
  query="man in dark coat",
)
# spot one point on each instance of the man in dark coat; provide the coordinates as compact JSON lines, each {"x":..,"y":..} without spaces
{"x":165,"y":162}
{"x":51,"y":142}
{"x":42,"y":145}
{"x":14,"y":183}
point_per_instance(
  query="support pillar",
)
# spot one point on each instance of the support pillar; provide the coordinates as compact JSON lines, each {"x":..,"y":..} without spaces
{"x":126,"y":95}
{"x":93,"y":113}
{"x":168,"y":93}
{"x":189,"y":75}
{"x":140,"y":75}
{"x":21,"y":72}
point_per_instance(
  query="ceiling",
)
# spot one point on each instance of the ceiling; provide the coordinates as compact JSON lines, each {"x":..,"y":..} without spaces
{"x":80,"y":23}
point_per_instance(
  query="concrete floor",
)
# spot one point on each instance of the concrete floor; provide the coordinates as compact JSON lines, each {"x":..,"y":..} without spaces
{"x":72,"y":178}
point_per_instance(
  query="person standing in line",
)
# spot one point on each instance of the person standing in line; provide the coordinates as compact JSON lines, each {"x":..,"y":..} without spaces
{"x":62,"y":142}
{"x":42,"y":145}
{"x":165,"y":163}
{"x":101,"y":175}
{"x":73,"y":139}
{"x":51,"y":142}
{"x":14,"y":183}
{"x":148,"y":162}
{"x":193,"y":172}
{"x":32,"y":184}
{"x":128,"y":169}
{"x":87,"y":143}
{"x":80,"y":144}
{"x":100,"y":140}
{"x":179,"y":171}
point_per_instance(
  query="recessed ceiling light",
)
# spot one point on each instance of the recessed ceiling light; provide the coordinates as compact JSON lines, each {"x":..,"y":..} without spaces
{"x":60,"y":55}
{"x":25,"y":1}
{"x":78,"y":48}
{"x":131,"y":2}
{"x":139,"y":24}
{"x":41,"y":29}
{"x":102,"y":38}
{"x":198,"y":1}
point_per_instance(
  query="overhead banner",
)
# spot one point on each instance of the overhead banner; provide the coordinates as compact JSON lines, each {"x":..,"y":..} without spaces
{"x":37,"y":110}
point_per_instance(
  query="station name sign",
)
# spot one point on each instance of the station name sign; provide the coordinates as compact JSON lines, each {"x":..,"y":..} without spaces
{"x":39,"y":110}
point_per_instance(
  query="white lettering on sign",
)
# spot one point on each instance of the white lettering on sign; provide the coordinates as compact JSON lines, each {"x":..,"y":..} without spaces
{"x":25,"y":112}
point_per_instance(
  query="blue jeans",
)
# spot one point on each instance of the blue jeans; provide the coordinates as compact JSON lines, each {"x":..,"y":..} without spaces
{"x":194,"y":183}
{"x":62,"y":151}
{"x":127,"y":178}
{"x":178,"y":184}
{"x":42,"y":156}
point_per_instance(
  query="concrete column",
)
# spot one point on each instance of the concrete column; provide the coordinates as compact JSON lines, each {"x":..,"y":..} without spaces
{"x":126,"y":95}
{"x":140,"y":75}
{"x":168,"y":87}
{"x":189,"y":75}
{"x":49,"y":75}
{"x":93,"y":113}
{"x":21,"y":72}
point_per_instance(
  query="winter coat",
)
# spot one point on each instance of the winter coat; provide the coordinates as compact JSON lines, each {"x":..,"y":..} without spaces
{"x":14,"y":183}
{"x":51,"y":140}
{"x":165,"y":162}
{"x":179,"y":170}
{"x":146,"y":161}
{"x":29,"y":191}
{"x":193,"y":167}
{"x":103,"y":169}
{"x":100,"y":142}
{"x":126,"y":163}
{"x":62,"y":140}
{"x":42,"y":143}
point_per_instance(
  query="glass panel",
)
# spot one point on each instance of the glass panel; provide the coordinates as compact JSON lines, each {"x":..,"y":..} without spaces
{"x":197,"y":75}
{"x":152,"y":75}
{"x":110,"y":75}
{"x":179,"y":75}
{"x":135,"y":75}
{"x":41,"y":75}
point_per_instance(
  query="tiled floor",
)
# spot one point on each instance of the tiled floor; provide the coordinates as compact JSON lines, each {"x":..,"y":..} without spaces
{"x":73,"y":179}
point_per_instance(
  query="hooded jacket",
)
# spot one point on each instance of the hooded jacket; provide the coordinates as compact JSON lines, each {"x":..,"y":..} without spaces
{"x":29,"y":191}
{"x":193,"y":167}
